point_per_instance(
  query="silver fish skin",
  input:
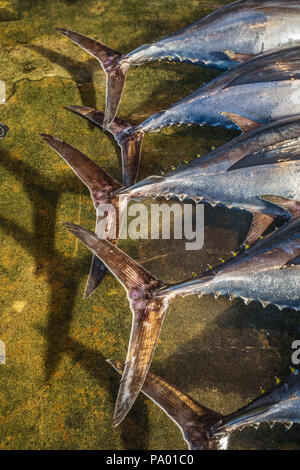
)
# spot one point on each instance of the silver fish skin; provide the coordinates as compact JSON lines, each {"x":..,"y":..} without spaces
{"x":231,"y":35}
{"x":221,"y":39}
{"x":3,"y":131}
{"x":262,"y":90}
{"x":205,"y":429}
{"x":268,"y":272}
{"x":280,"y":405}
{"x":261,"y":162}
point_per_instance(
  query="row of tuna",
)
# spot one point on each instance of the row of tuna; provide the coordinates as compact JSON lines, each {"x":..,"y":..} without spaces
{"x":257,"y":42}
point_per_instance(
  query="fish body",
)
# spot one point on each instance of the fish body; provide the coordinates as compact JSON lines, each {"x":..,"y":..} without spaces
{"x":264,"y":89}
{"x":261,"y":162}
{"x":205,"y":429}
{"x":268,"y":272}
{"x":231,"y":35}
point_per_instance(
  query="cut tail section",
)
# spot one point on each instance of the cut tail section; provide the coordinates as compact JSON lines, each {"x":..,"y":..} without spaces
{"x":3,"y":131}
{"x":102,"y":187}
{"x":194,"y":420}
{"x":148,"y":313}
{"x":112,"y":65}
{"x":129,"y":142}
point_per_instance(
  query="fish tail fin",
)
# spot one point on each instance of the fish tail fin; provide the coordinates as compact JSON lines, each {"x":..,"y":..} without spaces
{"x":3,"y":131}
{"x":148,"y":312}
{"x":112,"y":65}
{"x":195,"y":421}
{"x":122,"y":131}
{"x":102,"y":187}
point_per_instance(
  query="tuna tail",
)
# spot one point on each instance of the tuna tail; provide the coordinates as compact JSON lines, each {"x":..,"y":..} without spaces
{"x":112,"y":65}
{"x":102,"y":187}
{"x":148,"y":313}
{"x":130,"y":142}
{"x":3,"y":131}
{"x":195,"y":421}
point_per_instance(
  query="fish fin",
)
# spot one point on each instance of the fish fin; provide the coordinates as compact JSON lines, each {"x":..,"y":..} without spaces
{"x":238,"y":57}
{"x":244,"y":124}
{"x":3,"y":131}
{"x":94,"y":177}
{"x":130,"y":143}
{"x":99,"y":182}
{"x":259,"y":225}
{"x":112,"y":65}
{"x":187,"y":413}
{"x":291,"y":206}
{"x":148,"y":313}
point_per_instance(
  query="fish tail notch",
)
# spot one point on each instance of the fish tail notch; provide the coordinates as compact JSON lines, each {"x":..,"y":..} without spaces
{"x":125,"y":136}
{"x":112,"y":64}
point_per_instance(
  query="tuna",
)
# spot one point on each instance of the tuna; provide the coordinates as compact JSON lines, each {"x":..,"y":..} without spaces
{"x":205,"y":429}
{"x":229,"y":36}
{"x":262,"y":161}
{"x":268,"y":272}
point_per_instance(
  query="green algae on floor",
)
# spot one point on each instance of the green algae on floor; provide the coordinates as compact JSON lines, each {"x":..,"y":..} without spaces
{"x":57,"y":392}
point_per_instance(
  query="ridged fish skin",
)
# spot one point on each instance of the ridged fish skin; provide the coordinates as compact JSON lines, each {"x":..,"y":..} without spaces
{"x":205,"y":429}
{"x":266,"y":272}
